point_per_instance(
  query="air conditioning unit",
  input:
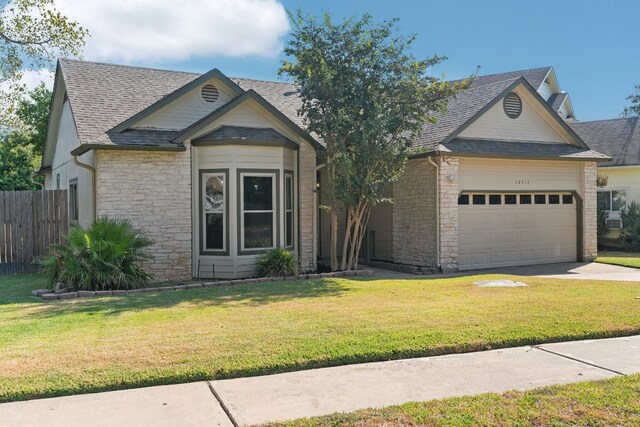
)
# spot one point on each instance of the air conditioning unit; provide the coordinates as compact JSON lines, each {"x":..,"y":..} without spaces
{"x":614,"y":224}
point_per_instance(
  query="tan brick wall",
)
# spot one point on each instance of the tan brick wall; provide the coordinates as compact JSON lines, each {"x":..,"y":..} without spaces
{"x":449,"y":179}
{"x":307,"y":177}
{"x":414,"y":212}
{"x":589,"y":212}
{"x":153,"y":190}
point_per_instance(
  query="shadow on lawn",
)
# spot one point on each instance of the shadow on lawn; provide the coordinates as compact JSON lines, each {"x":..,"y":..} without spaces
{"x":244,"y":295}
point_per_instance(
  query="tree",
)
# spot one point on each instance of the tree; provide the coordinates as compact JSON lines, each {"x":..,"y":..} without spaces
{"x":634,"y":109}
{"x":21,"y":147}
{"x":367,"y":97}
{"x":32,"y":35}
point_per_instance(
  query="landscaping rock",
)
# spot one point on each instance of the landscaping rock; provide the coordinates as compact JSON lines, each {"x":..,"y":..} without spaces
{"x":83,"y":294}
{"x":59,"y":286}
{"x":250,"y":281}
{"x":313,"y":276}
{"x":264,"y":279}
{"x":51,"y":296}
{"x":120,"y":292}
{"x":194,"y":286}
{"x":40,"y":292}
{"x":164,"y":288}
{"x":63,"y":291}
{"x":210,"y":284}
{"x":136,"y":291}
{"x":151,"y":289}
{"x":68,"y":295}
{"x":180,"y":287}
{"x":103,"y":293}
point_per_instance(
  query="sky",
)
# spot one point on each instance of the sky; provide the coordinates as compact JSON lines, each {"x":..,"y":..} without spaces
{"x":594,"y":46}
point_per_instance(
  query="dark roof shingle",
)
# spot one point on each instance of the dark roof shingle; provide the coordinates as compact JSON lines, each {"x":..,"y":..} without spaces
{"x":617,"y":138}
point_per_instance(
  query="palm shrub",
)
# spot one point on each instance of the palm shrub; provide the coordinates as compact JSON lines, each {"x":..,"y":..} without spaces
{"x":105,"y":255}
{"x":278,"y":262}
{"x":630,"y":233}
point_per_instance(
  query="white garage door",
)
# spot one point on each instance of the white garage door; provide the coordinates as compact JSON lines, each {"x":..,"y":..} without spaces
{"x":509,"y":229}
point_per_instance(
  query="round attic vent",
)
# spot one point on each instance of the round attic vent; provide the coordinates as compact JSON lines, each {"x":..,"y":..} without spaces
{"x":209,"y":93}
{"x":512,"y":105}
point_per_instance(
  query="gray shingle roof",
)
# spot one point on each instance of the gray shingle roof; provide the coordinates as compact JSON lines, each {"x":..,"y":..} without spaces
{"x":142,"y":137}
{"x":617,"y":138}
{"x":104,"y":95}
{"x":244,"y":133}
{"x":556,"y":100}
{"x":485,"y":148}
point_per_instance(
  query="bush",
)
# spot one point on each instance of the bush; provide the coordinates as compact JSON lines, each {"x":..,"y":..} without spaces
{"x":276,"y":263}
{"x":630,"y":233}
{"x":601,"y":218}
{"x":106,"y":255}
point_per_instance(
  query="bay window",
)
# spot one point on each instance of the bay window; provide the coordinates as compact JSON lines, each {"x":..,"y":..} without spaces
{"x":214,"y":212}
{"x":258,"y":203}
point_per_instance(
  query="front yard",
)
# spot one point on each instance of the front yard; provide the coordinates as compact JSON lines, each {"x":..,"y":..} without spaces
{"x":625,"y":259}
{"x":78,"y":346}
{"x":612,"y":402}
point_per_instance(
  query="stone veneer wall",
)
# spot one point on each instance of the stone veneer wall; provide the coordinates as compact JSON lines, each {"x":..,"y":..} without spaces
{"x":307,"y":179}
{"x":449,"y":179}
{"x":414,"y":212}
{"x":153,"y":190}
{"x":589,"y":212}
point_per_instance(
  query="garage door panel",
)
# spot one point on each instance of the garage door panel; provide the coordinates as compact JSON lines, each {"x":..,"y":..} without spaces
{"x":509,"y":235}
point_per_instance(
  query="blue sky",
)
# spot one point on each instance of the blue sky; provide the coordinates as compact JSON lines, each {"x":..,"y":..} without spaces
{"x":594,"y":46}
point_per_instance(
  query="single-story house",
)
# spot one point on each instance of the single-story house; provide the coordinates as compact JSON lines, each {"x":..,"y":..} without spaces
{"x":217,"y":169}
{"x":620,"y":140}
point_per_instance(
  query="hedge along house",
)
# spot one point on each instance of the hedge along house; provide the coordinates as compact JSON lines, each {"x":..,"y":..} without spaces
{"x":216,"y":170}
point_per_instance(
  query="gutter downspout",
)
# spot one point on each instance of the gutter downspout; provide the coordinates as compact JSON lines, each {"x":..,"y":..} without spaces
{"x":39,"y":184}
{"x":315,"y":217}
{"x":93,"y":180}
{"x":437,"y":211}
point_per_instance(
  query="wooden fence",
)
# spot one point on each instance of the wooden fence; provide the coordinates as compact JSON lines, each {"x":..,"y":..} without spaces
{"x":30,"y":221}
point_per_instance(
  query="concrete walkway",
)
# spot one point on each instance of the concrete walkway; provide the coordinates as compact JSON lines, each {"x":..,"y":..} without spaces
{"x":246,"y":401}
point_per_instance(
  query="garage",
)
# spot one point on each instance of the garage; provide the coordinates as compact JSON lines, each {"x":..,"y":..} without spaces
{"x":502,"y":229}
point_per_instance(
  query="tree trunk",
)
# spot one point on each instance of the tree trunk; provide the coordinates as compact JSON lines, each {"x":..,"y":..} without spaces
{"x":348,"y":233}
{"x":334,"y":220}
{"x":363,"y":227}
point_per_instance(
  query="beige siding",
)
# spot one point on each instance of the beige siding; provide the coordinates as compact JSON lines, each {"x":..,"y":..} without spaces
{"x":153,"y":190}
{"x":518,"y":175}
{"x":185,"y":110}
{"x":534,"y":124}
{"x":625,"y":178}
{"x":62,"y":164}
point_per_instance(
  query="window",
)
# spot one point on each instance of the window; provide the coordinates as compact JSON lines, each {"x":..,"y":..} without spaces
{"x":554,"y":199}
{"x":525,"y":199}
{"x":258,"y":219}
{"x":495,"y":199}
{"x":567,"y":199}
{"x":510,"y":199}
{"x":57,"y":181}
{"x":615,"y":200}
{"x":73,"y":201}
{"x":479,"y":199}
{"x":214,"y":212}
{"x":288,"y":210}
{"x":540,"y":199}
{"x":463,"y":199}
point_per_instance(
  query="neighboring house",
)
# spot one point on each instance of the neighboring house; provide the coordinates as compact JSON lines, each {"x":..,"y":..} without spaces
{"x":620,"y":140}
{"x":216,"y":169}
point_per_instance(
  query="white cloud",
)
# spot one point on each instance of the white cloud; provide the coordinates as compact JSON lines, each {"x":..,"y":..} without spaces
{"x":32,"y":78}
{"x":176,"y":30}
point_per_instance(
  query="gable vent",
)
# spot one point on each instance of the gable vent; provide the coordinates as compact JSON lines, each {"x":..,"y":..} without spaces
{"x":209,"y":93}
{"x":512,"y":105}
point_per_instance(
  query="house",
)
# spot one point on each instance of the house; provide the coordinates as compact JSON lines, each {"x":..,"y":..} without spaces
{"x":620,"y":140}
{"x":217,"y":169}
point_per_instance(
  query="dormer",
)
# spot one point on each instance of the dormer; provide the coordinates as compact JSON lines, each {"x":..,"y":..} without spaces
{"x":555,"y":97}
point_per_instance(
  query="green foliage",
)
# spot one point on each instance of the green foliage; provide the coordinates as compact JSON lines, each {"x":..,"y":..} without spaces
{"x":21,"y":148}
{"x":366,"y":95}
{"x":630,"y":233}
{"x":18,"y":161}
{"x":106,"y":255}
{"x":633,"y":110}
{"x":32,"y":35}
{"x":278,"y":262}
{"x":601,"y":221}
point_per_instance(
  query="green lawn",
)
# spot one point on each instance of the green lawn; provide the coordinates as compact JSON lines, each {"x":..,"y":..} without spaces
{"x":612,"y":402}
{"x":625,"y":259}
{"x":75,"y":346}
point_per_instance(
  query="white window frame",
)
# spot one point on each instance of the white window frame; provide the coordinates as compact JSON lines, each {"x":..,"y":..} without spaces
{"x":273,"y":211}
{"x":613,"y":214}
{"x":203,"y":212}
{"x":288,"y":176}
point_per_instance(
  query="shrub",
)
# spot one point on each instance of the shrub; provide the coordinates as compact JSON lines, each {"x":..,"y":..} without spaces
{"x":106,"y":255}
{"x":630,"y":233}
{"x":601,"y":218}
{"x":277,"y":262}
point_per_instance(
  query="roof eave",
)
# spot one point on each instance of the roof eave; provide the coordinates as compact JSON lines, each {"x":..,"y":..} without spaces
{"x":84,"y":148}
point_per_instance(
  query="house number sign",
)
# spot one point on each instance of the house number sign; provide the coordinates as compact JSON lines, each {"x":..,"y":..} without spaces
{"x":522,"y":181}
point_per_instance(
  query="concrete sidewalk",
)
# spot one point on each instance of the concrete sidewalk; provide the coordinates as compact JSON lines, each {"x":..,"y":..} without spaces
{"x":246,"y":401}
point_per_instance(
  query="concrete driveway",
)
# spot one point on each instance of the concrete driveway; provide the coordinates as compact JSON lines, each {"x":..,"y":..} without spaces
{"x":571,"y":270}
